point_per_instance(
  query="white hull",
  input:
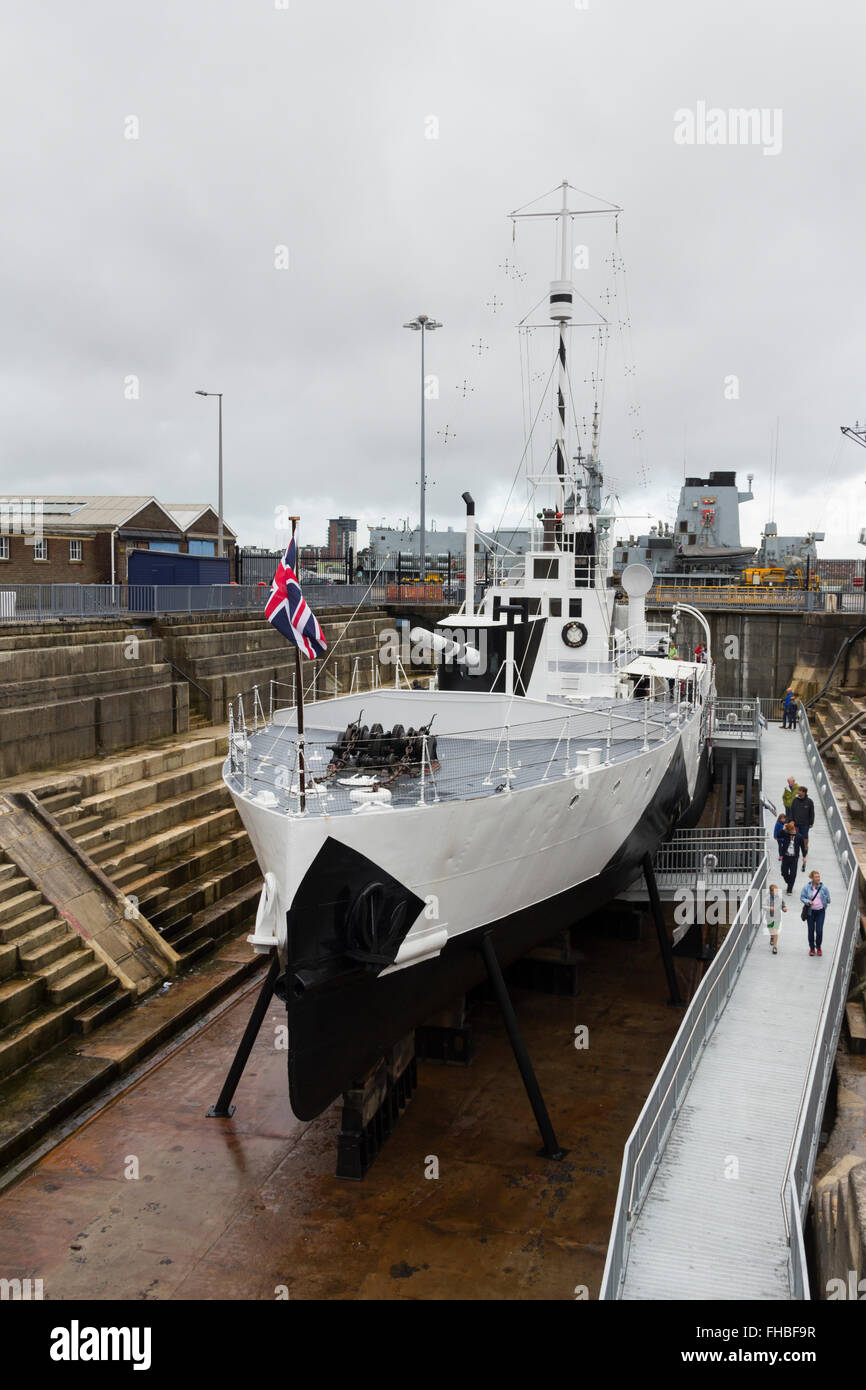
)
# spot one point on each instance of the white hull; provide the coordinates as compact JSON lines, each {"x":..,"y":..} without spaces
{"x":476,"y":861}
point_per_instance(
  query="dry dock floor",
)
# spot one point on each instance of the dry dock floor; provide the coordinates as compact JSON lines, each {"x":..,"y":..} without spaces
{"x":249,"y":1208}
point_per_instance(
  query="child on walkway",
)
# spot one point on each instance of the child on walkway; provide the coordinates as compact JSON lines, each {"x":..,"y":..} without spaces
{"x":775,"y":906}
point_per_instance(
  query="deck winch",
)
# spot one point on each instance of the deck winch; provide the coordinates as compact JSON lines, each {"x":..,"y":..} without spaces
{"x":391,"y":752}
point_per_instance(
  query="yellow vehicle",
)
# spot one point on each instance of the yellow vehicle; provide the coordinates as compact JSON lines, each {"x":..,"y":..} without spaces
{"x":766,"y":578}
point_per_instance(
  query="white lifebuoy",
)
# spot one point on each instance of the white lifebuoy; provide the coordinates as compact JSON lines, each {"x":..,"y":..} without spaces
{"x":574,"y":634}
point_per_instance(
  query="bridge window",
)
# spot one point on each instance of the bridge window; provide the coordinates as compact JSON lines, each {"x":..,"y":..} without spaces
{"x":575,"y":607}
{"x":556,"y":608}
{"x":545,"y":569}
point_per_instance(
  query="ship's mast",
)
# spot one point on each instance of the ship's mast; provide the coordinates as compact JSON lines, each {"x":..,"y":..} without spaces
{"x":561,"y":309}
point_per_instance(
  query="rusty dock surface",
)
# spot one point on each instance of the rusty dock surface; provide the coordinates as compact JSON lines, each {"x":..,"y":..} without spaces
{"x":148,"y":1199}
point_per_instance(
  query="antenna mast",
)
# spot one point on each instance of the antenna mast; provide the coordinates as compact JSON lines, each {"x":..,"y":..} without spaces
{"x":561,"y":312}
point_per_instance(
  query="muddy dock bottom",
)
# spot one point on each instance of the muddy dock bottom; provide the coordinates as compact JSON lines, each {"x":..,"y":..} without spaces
{"x":151,"y":1200}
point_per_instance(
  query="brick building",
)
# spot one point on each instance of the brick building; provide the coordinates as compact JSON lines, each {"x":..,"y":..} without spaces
{"x":88,"y":540}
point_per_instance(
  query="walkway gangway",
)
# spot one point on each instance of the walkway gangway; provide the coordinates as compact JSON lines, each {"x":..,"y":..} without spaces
{"x":717,"y":1172}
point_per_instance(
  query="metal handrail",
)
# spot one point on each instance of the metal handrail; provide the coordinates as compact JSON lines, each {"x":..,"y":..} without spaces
{"x":804,"y":1139}
{"x":735,"y":932}
{"x":724,"y":969}
{"x":183,"y":674}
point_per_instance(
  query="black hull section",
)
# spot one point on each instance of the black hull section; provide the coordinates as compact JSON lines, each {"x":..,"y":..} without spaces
{"x":340,"y":1029}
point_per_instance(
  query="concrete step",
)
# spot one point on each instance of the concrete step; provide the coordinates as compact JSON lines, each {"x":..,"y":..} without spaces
{"x":76,"y":825}
{"x":219,"y":919}
{"x":182,"y":839}
{"x":13,"y":907}
{"x":150,"y":820}
{"x":97,"y":1014}
{"x":13,"y":885}
{"x":43,"y":1028}
{"x":11,"y":931}
{"x":855,"y":1018}
{"x":150,"y":791}
{"x":76,"y":958}
{"x":19,"y":997}
{"x":74,"y":985}
{"x":146,"y":882}
{"x":143,"y":766}
{"x":34,"y":638}
{"x":43,"y":946}
{"x":193,"y":897}
{"x":56,"y":802}
{"x":26,"y":695}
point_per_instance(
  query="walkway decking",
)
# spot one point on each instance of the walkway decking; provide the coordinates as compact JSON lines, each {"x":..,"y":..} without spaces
{"x":712,"y":1224}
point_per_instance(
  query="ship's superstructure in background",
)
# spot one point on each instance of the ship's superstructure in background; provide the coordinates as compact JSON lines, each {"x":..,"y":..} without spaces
{"x":401,"y":831}
{"x":705,"y":538}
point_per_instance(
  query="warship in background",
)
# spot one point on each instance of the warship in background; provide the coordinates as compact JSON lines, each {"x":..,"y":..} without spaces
{"x":705,"y":541}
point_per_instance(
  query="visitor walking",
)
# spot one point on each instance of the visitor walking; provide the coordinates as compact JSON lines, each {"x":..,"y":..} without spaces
{"x":790,"y":848}
{"x":803,"y":816}
{"x":815,"y":899}
{"x":789,"y":793}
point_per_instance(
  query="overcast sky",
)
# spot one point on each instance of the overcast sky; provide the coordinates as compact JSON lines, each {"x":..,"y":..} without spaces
{"x":261,"y":126}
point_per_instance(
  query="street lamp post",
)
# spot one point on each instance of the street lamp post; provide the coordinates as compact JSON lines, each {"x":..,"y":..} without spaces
{"x":421,"y":323}
{"x":219,"y":396}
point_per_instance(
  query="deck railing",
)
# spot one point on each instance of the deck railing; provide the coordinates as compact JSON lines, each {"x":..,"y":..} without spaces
{"x":478,"y":762}
{"x":739,"y":719}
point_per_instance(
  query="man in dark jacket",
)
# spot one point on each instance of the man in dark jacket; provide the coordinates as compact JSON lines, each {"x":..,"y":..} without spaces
{"x":791,"y":846}
{"x":803,"y":815}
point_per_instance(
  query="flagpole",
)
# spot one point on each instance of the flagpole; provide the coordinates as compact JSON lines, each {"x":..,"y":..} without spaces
{"x":302,"y":770}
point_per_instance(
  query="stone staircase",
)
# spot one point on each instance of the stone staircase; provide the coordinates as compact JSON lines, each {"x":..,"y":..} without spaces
{"x":73,"y":690}
{"x":228,"y":654}
{"x":51,"y":983}
{"x":847,"y":756}
{"x":161,"y":825}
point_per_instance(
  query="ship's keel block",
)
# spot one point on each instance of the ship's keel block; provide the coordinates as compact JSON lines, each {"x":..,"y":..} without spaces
{"x":372,"y":1108}
{"x":446,"y":1037}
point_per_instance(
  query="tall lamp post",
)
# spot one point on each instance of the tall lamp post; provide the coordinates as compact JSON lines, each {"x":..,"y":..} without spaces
{"x":219,"y":395}
{"x":423,"y":325}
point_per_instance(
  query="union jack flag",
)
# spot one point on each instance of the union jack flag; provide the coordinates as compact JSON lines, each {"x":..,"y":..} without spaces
{"x":289,"y":611}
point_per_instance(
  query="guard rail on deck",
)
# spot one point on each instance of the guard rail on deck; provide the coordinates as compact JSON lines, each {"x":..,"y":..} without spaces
{"x":649,"y":1136}
{"x":739,"y":719}
{"x":797,"y":1183}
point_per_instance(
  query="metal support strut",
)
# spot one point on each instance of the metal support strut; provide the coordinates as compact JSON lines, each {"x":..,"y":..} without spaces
{"x":551,"y":1147}
{"x":661,"y":929}
{"x":223,"y":1108}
